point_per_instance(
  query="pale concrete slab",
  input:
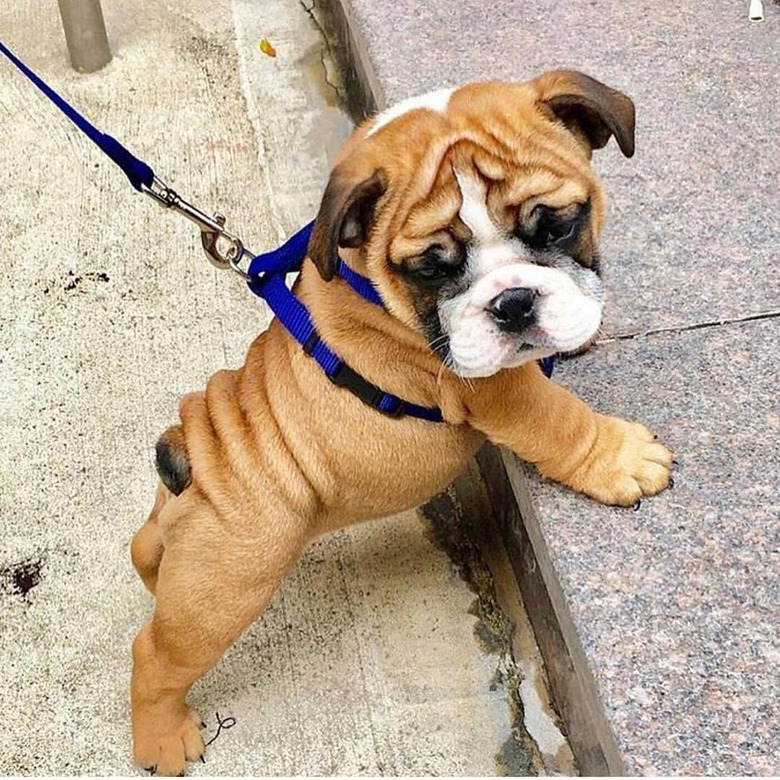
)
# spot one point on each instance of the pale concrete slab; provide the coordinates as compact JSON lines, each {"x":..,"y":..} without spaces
{"x":366,"y":661}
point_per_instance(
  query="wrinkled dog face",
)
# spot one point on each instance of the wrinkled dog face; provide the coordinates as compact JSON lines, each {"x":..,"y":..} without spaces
{"x":502,"y":294}
{"x":482,"y":234}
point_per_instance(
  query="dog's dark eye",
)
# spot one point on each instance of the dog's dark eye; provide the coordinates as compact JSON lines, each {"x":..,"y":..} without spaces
{"x":552,"y":228}
{"x":436,"y":263}
{"x":555,"y":233}
{"x":431,"y":272}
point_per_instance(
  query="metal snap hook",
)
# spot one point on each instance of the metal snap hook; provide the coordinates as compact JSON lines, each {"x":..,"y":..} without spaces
{"x":222,"y":248}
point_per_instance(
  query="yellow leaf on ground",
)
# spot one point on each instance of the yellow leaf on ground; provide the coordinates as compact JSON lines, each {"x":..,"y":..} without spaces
{"x":266,"y":48}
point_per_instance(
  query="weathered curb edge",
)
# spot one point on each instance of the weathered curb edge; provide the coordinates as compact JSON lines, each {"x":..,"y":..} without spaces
{"x":365,"y":94}
{"x":573,"y":687}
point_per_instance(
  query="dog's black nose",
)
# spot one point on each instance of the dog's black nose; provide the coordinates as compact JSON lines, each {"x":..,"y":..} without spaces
{"x":513,"y":309}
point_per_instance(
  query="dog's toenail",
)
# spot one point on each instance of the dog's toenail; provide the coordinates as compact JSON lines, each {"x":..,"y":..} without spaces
{"x":637,"y":505}
{"x":152,"y":770}
{"x":671,"y":483}
{"x":203,"y":759}
{"x":203,"y":724}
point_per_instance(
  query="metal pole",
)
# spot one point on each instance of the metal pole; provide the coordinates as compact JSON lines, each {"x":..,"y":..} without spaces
{"x":85,"y":32}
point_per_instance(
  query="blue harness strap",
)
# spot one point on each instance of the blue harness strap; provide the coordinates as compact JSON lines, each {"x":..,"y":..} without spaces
{"x":266,"y":280}
{"x":359,"y":283}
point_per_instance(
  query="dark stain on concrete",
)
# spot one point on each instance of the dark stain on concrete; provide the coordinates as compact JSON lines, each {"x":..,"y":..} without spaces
{"x":515,"y":759}
{"x":18,"y":579}
{"x":493,"y":631}
{"x":73,"y":281}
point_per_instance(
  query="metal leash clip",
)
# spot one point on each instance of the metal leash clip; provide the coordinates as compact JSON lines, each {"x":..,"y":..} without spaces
{"x":223,"y":249}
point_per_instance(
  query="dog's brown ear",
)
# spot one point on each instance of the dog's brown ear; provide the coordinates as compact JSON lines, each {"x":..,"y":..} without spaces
{"x":589,"y":108}
{"x":345,"y":215}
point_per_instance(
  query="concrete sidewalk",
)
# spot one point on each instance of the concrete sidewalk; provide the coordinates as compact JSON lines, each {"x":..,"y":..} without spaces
{"x":661,"y":627}
{"x":372,"y":658}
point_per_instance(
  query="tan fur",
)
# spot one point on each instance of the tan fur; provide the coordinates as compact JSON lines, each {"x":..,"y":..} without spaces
{"x":279,"y":455}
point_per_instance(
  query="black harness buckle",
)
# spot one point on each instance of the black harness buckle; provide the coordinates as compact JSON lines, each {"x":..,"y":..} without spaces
{"x":369,"y":394}
{"x":311,"y":343}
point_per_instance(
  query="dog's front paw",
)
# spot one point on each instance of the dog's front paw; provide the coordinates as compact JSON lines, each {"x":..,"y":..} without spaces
{"x":165,"y":745}
{"x":625,"y":464}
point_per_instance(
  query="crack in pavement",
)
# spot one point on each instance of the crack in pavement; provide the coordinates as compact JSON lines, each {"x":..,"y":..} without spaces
{"x":766,"y":315}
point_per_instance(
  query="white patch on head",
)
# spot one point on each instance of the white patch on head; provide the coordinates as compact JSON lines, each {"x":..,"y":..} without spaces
{"x":473,"y":209}
{"x":433,"y":101}
{"x":567,"y":310}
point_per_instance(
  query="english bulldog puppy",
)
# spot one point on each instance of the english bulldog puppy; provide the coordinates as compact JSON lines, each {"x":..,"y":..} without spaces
{"x":476,"y":215}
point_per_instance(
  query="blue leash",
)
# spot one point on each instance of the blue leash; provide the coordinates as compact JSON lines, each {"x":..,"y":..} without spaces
{"x":228,"y":254}
{"x":137,"y":171}
{"x":266,"y":272}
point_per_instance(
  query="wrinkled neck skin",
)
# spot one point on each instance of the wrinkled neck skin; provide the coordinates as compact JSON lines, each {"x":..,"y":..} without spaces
{"x":384,"y":350}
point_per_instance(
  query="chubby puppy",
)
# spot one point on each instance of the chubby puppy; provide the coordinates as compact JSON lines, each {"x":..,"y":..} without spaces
{"x":476,"y":215}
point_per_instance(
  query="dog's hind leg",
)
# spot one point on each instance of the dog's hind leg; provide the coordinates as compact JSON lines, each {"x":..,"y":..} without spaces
{"x":211,"y":585}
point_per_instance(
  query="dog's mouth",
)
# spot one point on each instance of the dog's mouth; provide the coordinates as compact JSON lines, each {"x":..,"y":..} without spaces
{"x":484,"y":363}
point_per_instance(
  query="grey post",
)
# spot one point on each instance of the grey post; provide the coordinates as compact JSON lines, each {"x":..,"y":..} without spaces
{"x":85,"y":32}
